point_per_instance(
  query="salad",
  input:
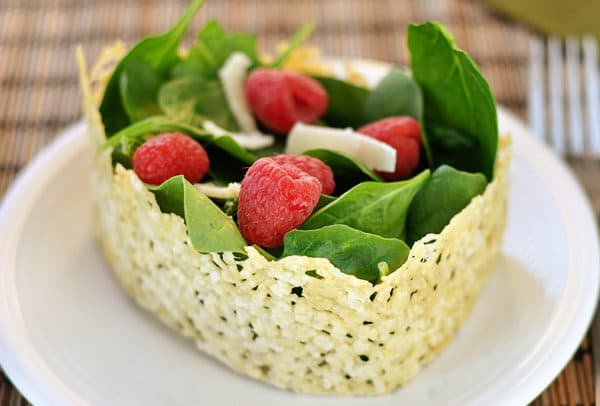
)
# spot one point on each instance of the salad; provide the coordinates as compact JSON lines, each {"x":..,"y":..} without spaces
{"x":302,"y":226}
{"x":394,"y":163}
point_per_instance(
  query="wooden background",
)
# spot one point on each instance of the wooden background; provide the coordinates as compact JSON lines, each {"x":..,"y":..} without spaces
{"x":39,"y":92}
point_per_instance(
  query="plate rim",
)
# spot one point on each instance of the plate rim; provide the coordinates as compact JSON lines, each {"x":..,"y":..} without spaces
{"x":586,"y":218}
{"x":28,"y":373}
{"x":38,"y":383}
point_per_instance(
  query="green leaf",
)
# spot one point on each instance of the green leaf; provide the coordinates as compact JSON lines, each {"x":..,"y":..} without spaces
{"x":210,"y":229}
{"x":267,"y":255}
{"x":223,"y":169}
{"x":123,"y":152}
{"x":455,"y":95}
{"x":346,"y":102}
{"x":196,"y":99}
{"x":227,"y":206}
{"x":353,"y":252}
{"x":298,"y":39}
{"x":373,"y":207}
{"x":154,"y":125}
{"x":221,"y":44}
{"x":458,"y":150}
{"x":277,"y":148}
{"x":213,"y":48}
{"x":447,"y":192}
{"x":160,"y":124}
{"x":138,"y":86}
{"x":324,"y":200}
{"x":160,"y":52}
{"x":192,"y":66}
{"x":397,"y":94}
{"x":347,"y":171}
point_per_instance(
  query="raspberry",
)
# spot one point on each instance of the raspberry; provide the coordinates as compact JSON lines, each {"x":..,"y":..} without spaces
{"x":170,"y":154}
{"x":274,"y":199}
{"x":404,"y":135}
{"x":313,"y":166}
{"x":279,"y":99}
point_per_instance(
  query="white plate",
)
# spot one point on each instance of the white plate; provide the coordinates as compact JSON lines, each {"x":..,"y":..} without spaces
{"x":69,"y":335}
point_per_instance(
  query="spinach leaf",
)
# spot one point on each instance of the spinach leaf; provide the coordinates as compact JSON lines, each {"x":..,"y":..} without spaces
{"x":373,"y":207}
{"x":123,"y":151}
{"x":160,"y":52}
{"x":210,"y":229}
{"x":353,"y":252}
{"x":447,"y":192}
{"x":229,"y":145}
{"x":193,"y":66}
{"x":455,"y":96}
{"x":294,"y":44}
{"x":195,"y":100}
{"x":155,"y":125}
{"x":277,"y":148}
{"x":227,"y":206}
{"x":266,"y":254}
{"x":457,"y":150}
{"x":346,"y":102}
{"x":212,"y":49}
{"x":138,"y":86}
{"x":397,"y":94}
{"x":223,"y":169}
{"x":347,"y":171}
{"x":324,"y":200}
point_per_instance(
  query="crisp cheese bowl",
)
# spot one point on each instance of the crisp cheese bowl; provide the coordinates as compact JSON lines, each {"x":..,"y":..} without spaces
{"x":340,"y":335}
{"x":297,"y":322}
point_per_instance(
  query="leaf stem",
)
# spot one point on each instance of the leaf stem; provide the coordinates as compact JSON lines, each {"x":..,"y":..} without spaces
{"x":297,"y":40}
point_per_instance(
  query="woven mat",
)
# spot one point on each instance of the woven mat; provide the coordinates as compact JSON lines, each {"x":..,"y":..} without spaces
{"x":39,"y":94}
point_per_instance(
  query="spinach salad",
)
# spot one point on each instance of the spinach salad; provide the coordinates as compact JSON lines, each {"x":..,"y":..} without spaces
{"x":366,"y":225}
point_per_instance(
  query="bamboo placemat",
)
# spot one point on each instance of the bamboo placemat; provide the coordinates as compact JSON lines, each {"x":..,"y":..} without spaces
{"x":39,"y":93}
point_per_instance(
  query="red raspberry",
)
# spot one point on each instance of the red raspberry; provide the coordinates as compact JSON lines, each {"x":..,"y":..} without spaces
{"x":279,"y":99}
{"x":313,"y":166}
{"x":274,"y":199}
{"x":404,"y":135}
{"x":170,"y":154}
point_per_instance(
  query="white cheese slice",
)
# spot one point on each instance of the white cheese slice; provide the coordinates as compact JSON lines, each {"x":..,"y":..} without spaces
{"x":374,"y":154}
{"x":231,"y":191}
{"x":250,"y":141}
{"x":233,"y":76}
